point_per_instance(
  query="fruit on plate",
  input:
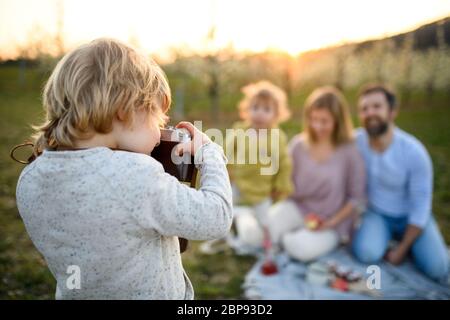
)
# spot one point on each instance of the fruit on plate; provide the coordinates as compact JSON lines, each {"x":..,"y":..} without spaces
{"x":340,"y":284}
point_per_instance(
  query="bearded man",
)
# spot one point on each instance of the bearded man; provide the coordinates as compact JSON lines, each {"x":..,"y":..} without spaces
{"x":399,"y":188}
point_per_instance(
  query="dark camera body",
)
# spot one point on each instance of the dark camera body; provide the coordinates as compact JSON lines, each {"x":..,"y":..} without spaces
{"x":184,"y":170}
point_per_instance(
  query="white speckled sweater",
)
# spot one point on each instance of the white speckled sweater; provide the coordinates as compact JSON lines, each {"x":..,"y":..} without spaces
{"x":116,"y":216}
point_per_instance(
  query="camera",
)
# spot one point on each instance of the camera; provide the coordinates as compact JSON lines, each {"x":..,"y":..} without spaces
{"x":181,"y":167}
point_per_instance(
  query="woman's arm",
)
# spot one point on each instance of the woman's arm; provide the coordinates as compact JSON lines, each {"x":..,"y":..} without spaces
{"x":345,"y":212}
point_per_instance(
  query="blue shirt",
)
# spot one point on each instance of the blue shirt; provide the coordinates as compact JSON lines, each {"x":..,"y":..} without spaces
{"x":399,"y":179}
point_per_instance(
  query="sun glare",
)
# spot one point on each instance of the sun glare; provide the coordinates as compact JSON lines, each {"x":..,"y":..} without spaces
{"x":291,"y":26}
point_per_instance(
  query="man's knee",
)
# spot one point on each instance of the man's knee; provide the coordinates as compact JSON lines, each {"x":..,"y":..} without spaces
{"x":436,"y":268}
{"x":430,"y":252}
{"x":370,"y":240}
{"x":366,"y":252}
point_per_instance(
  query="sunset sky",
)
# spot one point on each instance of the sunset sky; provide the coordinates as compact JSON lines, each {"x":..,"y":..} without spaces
{"x":289,"y":25}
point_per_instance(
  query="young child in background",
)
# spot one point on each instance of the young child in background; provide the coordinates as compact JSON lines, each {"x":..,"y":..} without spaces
{"x":263,"y":107}
{"x":111,"y":218}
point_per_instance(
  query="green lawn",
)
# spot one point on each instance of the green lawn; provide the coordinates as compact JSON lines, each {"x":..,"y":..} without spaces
{"x":23,"y":273}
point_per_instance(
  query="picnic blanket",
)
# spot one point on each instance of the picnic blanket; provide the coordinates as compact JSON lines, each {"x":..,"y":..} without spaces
{"x":397,"y":282}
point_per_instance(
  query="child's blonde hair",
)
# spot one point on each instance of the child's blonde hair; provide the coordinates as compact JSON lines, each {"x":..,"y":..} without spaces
{"x":266,"y":92}
{"x":331,"y":99}
{"x":88,"y":87}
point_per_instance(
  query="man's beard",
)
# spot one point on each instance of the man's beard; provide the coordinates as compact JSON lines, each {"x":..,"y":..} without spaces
{"x":378,"y":129}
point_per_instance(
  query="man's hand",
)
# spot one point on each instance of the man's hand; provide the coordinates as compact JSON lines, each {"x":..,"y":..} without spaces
{"x":396,"y":255}
{"x":276,"y":195}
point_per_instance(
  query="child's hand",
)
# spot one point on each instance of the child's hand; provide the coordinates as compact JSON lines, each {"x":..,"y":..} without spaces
{"x":276,"y":195}
{"x":198,"y":139}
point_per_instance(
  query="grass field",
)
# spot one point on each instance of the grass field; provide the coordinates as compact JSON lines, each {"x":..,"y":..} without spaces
{"x":23,"y":272}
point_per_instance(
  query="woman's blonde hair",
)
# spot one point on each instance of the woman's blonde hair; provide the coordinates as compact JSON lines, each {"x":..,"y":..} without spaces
{"x":331,"y":99}
{"x":91,"y":84}
{"x":266,"y":92}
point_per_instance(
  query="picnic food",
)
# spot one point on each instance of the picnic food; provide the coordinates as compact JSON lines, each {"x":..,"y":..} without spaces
{"x":337,"y":276}
{"x":340,"y":284}
{"x":269,"y":268}
{"x":318,"y":273}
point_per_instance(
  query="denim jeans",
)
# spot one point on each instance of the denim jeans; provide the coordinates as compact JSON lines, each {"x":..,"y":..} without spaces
{"x":429,"y":251}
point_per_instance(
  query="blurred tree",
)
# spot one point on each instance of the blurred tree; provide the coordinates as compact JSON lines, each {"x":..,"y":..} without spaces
{"x":213,"y":85}
{"x":435,"y":57}
{"x":341,"y":57}
{"x":179,"y":101}
{"x":59,"y":37}
{"x":406,"y":55}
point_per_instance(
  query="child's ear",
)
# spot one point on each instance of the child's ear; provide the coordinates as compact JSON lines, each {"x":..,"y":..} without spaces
{"x":121,"y":115}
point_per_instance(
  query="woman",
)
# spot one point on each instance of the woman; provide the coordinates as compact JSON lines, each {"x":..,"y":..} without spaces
{"x":329,"y":180}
